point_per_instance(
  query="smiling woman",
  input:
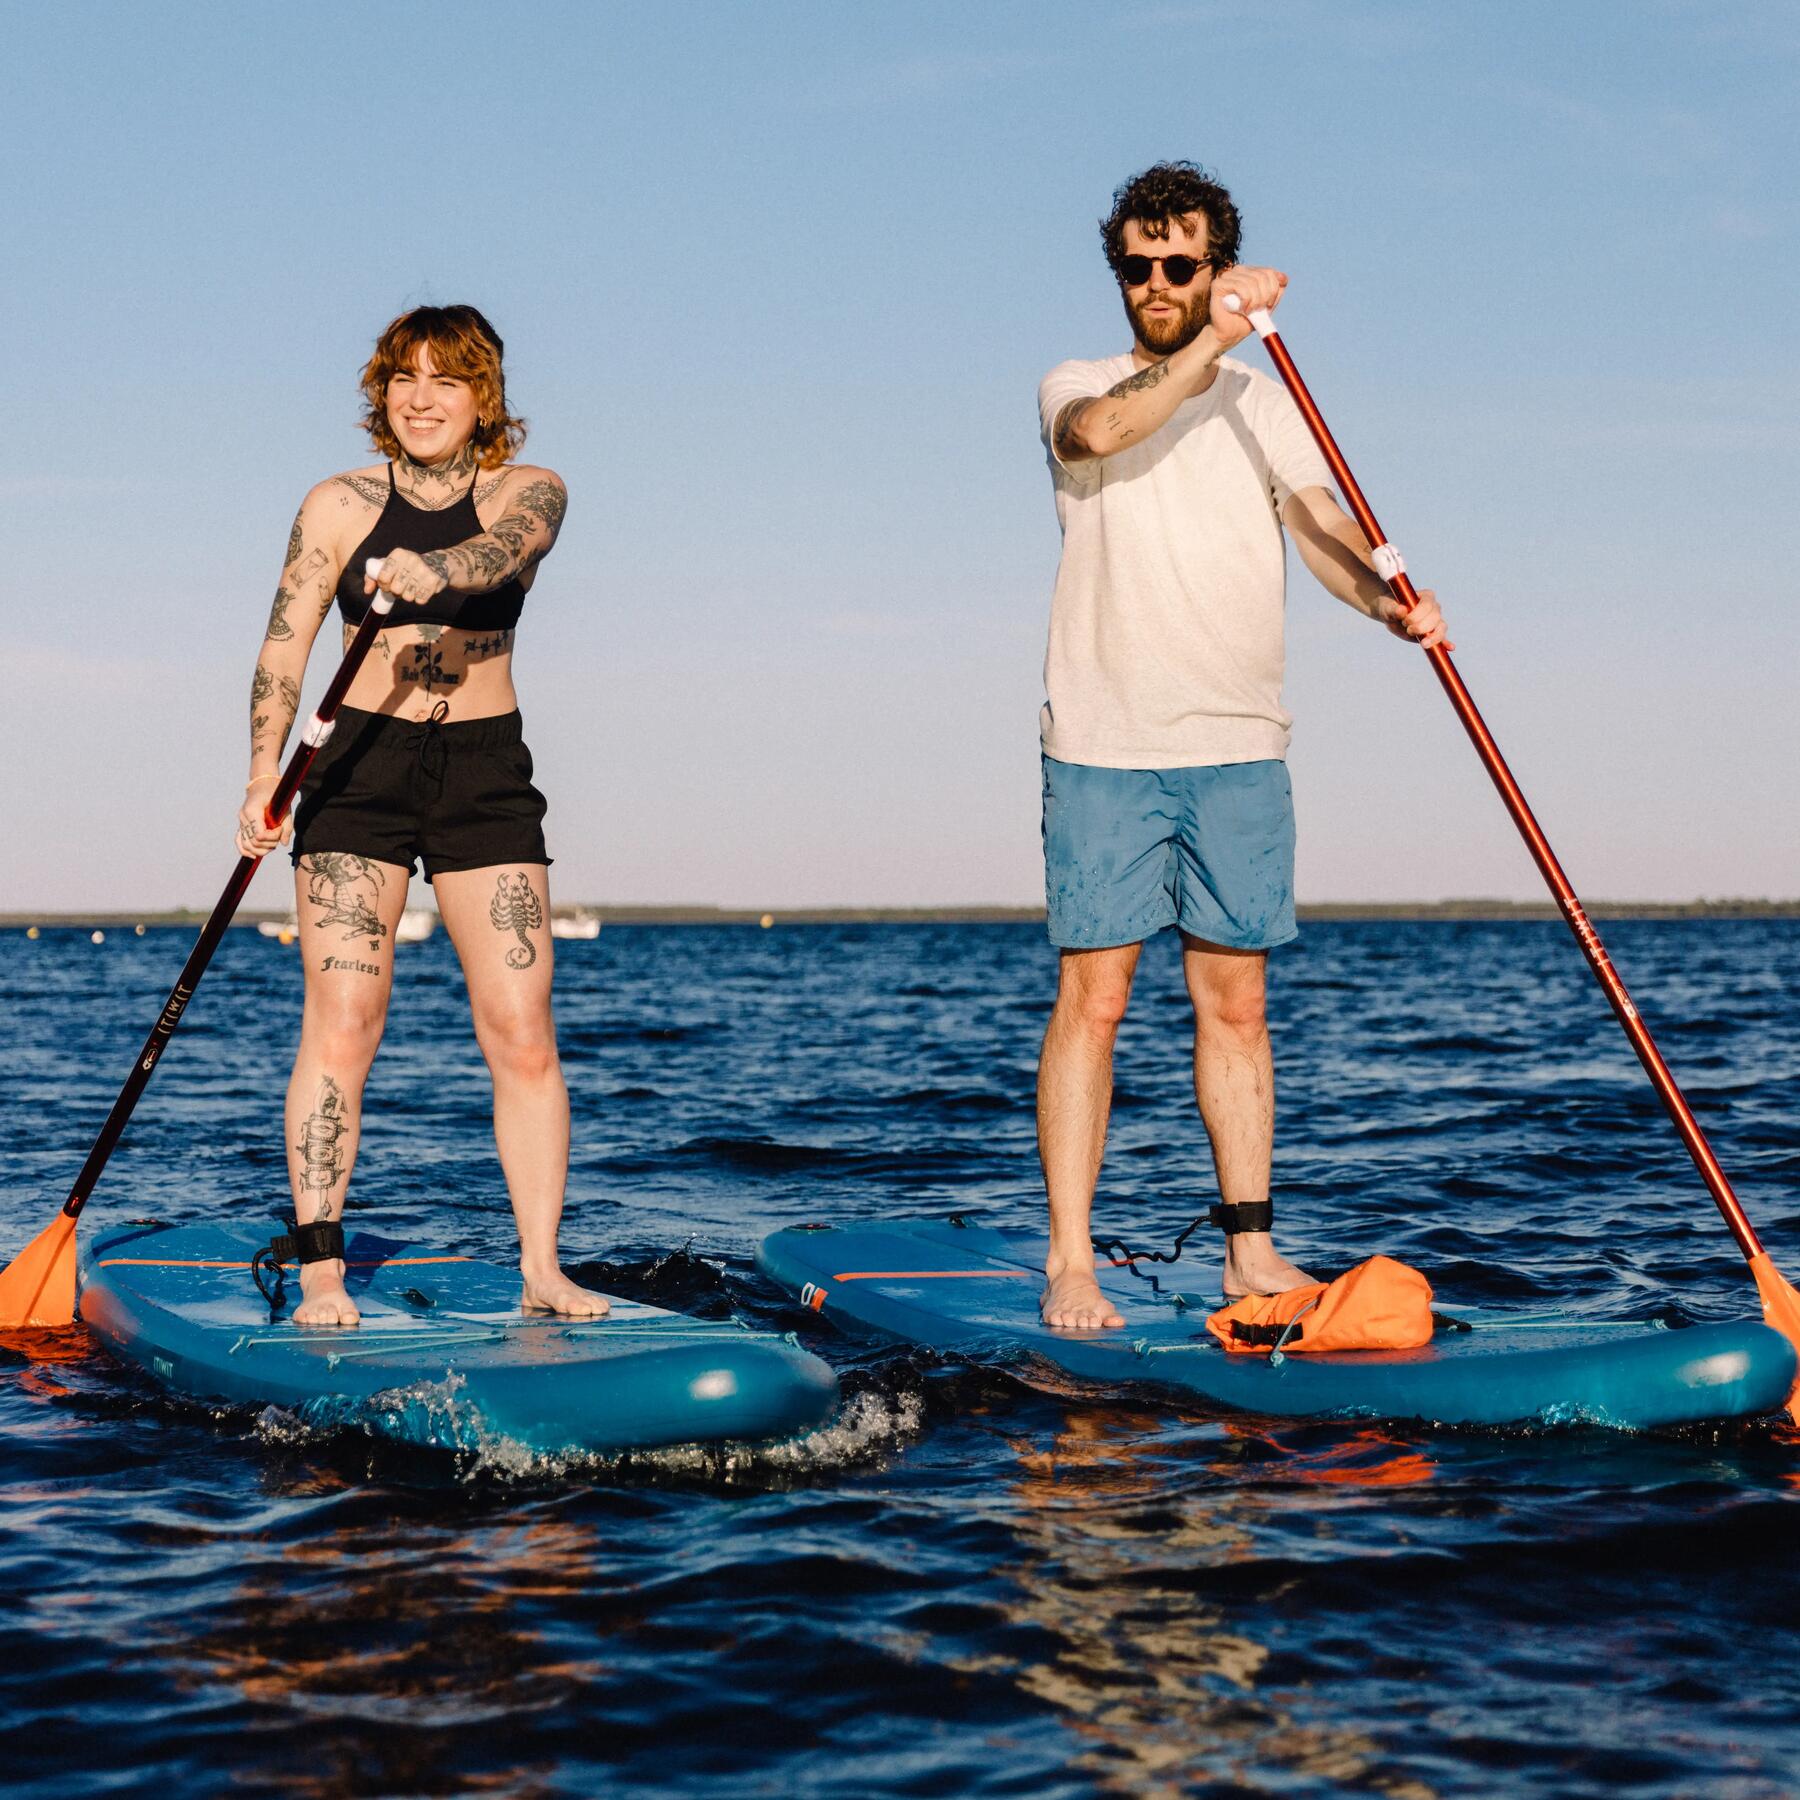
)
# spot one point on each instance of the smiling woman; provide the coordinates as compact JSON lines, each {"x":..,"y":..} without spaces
{"x":426,"y":763}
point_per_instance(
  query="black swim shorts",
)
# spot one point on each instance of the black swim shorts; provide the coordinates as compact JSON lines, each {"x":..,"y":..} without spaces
{"x":454,"y":795}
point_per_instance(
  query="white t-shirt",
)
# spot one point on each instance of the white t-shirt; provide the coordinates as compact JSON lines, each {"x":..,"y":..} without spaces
{"x":1166,"y":644}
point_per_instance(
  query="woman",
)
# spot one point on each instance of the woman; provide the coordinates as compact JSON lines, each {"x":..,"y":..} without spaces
{"x":426,"y":760}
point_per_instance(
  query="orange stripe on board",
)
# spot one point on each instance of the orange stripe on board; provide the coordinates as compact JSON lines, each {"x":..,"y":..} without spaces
{"x":941,"y":1275}
{"x":158,"y":1262}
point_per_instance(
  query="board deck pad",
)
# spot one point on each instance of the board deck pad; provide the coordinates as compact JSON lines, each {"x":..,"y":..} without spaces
{"x":443,"y":1355}
{"x":959,"y":1286}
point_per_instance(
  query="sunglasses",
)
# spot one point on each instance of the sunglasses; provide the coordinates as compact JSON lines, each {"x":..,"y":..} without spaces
{"x":1134,"y":271}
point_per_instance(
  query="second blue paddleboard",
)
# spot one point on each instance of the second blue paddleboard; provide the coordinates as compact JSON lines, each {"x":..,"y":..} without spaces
{"x":963,"y":1287}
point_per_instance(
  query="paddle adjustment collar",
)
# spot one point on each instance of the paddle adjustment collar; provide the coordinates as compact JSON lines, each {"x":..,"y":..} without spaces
{"x":321,"y":1241}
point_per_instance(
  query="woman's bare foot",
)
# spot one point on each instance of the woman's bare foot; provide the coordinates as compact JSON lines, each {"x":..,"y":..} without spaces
{"x":325,"y":1301}
{"x":1254,"y":1266}
{"x":1073,"y":1301}
{"x":552,"y":1291}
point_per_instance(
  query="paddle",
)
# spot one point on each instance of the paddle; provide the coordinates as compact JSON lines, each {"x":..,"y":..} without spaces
{"x":1780,"y":1301}
{"x":37,"y":1288}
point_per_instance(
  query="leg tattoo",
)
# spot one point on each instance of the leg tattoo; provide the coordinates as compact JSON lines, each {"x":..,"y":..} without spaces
{"x":320,"y":1145}
{"x":515,"y":908}
{"x":344,"y":887}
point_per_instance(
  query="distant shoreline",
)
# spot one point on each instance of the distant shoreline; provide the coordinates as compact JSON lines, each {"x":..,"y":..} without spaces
{"x":1443,"y":911}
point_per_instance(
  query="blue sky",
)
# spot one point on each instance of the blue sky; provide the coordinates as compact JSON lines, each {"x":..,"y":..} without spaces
{"x":778,"y":283}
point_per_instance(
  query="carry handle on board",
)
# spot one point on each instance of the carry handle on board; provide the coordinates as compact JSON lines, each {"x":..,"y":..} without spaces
{"x":38,"y":1286}
{"x":1781,"y":1304}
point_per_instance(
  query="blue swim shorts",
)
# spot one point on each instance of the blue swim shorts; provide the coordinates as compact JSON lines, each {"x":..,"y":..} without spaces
{"x":1128,"y":852}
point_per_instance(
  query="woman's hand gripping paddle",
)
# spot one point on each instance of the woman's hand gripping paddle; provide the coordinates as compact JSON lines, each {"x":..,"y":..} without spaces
{"x":37,"y":1288}
{"x":1780,"y":1301}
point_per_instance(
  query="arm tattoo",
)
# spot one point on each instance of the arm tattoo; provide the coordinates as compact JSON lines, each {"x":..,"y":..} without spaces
{"x":1138,"y":383}
{"x":546,"y":500}
{"x":1063,"y":437}
{"x":279,"y":629}
{"x":1068,"y":421}
{"x":320,"y":1146}
{"x":263,"y":684}
{"x":296,"y":542}
{"x":515,"y":908}
{"x":521,"y":537}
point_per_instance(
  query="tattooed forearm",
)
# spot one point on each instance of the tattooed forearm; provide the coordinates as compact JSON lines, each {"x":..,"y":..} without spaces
{"x":1074,"y":434}
{"x":1140,"y":382}
{"x":285,"y":691}
{"x":320,"y":1149}
{"x":519,"y":539}
{"x":477,"y":566}
{"x":515,"y":908}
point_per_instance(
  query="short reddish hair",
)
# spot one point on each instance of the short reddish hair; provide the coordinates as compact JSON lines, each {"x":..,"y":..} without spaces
{"x":462,"y":344}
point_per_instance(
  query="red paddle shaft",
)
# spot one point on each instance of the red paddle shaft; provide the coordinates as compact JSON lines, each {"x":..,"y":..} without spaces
{"x":1392,"y":570}
{"x":312,"y":738}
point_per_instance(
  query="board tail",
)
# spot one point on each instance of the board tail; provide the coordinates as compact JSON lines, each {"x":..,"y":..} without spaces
{"x":37,"y":1288}
{"x":1781,"y":1308}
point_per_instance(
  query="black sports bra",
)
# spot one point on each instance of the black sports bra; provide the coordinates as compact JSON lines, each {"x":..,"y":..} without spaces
{"x":403,"y":526}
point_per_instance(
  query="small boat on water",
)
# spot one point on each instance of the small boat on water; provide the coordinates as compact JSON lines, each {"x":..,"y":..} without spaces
{"x":581,"y":922}
{"x":417,"y":923}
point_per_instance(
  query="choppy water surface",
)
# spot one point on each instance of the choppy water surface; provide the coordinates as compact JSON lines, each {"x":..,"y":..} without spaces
{"x":971,"y":1585}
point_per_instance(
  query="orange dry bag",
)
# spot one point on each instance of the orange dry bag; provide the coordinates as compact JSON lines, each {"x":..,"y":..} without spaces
{"x":1379,"y":1305}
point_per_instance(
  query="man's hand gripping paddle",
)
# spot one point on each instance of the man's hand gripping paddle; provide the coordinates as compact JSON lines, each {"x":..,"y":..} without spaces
{"x":37,"y":1288}
{"x":1780,"y":1301}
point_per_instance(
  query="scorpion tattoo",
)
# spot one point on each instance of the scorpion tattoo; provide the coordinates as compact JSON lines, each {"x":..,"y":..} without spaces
{"x":515,"y":908}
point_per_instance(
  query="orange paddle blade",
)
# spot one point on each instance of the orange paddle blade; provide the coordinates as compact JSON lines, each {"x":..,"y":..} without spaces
{"x":38,"y":1286}
{"x":1781,"y":1308}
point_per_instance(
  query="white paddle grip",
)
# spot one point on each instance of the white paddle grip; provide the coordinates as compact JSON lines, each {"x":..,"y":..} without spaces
{"x":1260,"y":317}
{"x":379,"y":601}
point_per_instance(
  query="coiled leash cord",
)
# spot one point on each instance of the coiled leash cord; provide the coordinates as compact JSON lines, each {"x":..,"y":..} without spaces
{"x":1231,"y":1217}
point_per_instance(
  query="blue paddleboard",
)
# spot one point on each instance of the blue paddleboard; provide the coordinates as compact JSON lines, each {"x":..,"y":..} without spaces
{"x":443,"y":1355}
{"x":966,"y":1288}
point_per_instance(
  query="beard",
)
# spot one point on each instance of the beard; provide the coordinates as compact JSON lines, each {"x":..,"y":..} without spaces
{"x":1163,"y":337}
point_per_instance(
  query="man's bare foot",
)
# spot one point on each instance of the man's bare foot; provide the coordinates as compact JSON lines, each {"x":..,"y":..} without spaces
{"x":553,"y":1292}
{"x":1254,"y":1266}
{"x":325,"y":1302}
{"x":1073,"y":1302}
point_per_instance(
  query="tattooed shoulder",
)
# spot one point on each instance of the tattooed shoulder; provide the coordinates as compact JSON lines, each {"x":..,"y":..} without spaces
{"x":364,"y":487}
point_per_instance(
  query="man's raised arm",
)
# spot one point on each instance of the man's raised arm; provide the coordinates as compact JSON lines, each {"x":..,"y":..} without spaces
{"x":1145,"y":401}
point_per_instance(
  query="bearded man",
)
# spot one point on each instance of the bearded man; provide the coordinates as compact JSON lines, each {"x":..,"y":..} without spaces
{"x":1166,"y":797}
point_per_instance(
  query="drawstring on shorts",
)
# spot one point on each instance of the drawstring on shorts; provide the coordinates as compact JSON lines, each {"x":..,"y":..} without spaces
{"x":434,"y":753}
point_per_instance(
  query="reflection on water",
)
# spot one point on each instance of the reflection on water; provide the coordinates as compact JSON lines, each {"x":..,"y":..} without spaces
{"x":972,"y":1582}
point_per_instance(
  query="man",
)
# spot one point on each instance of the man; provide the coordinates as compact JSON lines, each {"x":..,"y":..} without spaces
{"x":1166,"y":798}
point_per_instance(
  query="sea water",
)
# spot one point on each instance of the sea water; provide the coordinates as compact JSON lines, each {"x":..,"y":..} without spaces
{"x":971,"y":1582}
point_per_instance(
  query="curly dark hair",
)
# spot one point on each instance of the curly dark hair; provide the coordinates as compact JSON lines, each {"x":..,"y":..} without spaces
{"x":1173,"y":190}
